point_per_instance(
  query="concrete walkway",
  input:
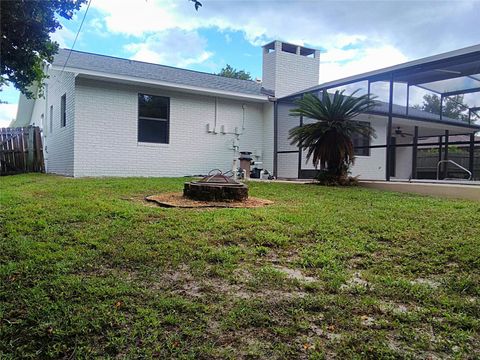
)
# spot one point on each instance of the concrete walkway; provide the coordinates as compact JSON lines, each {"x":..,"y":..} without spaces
{"x":448,"y":190}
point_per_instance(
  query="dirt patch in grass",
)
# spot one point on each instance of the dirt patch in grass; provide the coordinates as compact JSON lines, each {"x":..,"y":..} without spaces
{"x":356,"y":281}
{"x":182,"y":282}
{"x":89,"y":269}
{"x":295,"y":274}
{"x":395,"y":308}
{"x":178,"y":200}
{"x":427,"y":282}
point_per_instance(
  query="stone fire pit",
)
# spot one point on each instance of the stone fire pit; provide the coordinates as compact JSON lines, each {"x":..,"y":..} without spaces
{"x":216,"y":187}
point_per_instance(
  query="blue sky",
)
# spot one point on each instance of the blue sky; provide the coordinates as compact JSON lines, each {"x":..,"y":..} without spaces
{"x":354,"y":36}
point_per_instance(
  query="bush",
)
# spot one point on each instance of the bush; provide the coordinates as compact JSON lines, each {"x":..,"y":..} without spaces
{"x":325,"y":177}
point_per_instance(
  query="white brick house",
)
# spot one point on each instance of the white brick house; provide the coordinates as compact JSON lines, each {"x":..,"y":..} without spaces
{"x":105,"y":116}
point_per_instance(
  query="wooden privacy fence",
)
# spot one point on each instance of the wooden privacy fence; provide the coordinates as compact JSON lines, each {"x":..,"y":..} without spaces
{"x":21,"y":150}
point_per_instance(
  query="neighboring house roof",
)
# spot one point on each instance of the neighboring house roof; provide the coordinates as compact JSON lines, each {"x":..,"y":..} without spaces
{"x":138,"y":69}
{"x":24,"y":112}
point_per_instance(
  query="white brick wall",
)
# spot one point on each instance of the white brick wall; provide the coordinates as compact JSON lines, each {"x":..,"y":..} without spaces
{"x":287,"y":163}
{"x":307,"y":164}
{"x":267,"y":151}
{"x":59,"y":143}
{"x":269,"y":67}
{"x":287,"y":166}
{"x":403,"y":161}
{"x":286,"y":73}
{"x":285,"y":123}
{"x":373,"y":167}
{"x":106,"y":132}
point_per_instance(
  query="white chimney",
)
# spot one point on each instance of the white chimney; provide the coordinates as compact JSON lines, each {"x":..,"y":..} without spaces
{"x":289,"y":68}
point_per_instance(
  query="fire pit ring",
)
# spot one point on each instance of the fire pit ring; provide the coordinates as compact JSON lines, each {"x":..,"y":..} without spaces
{"x":216,"y":186}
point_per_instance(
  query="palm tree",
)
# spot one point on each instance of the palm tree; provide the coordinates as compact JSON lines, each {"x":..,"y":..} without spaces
{"x":329,"y":139}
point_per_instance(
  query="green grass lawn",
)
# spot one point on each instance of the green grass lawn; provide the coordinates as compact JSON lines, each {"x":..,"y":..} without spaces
{"x":87,"y":269}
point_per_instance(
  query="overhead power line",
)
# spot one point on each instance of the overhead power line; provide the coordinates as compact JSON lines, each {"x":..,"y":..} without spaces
{"x":76,"y":36}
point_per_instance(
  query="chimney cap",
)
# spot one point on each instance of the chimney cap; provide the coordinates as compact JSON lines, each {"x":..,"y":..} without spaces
{"x":303,"y":50}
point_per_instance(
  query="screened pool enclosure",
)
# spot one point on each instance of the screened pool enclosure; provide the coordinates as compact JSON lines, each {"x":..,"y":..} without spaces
{"x":431,"y":106}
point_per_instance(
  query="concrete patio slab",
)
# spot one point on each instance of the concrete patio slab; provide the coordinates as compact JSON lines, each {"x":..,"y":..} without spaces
{"x":448,"y":190}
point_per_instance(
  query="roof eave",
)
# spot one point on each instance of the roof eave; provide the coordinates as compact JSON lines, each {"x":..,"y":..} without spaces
{"x":164,"y":84}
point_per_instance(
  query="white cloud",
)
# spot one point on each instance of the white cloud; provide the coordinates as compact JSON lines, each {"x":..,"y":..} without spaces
{"x":415,"y":28}
{"x":64,"y":37}
{"x":7,"y":114}
{"x":173,"y":47}
{"x":338,"y":64}
{"x":339,"y":55}
{"x":139,"y":17}
{"x":97,"y":26}
{"x":354,"y":36}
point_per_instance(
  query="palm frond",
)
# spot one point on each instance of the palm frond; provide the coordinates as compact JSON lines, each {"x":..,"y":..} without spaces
{"x":328,"y":141}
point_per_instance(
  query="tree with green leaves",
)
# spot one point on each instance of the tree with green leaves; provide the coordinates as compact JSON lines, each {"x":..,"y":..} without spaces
{"x":25,"y":32}
{"x":197,"y":4}
{"x":229,"y":71}
{"x":328,"y":141}
{"x":453,"y":106}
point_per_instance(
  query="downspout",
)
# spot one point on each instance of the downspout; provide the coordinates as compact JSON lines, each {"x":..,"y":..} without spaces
{"x":275,"y":139}
{"x":215,"y":118}
{"x":46,"y":122}
{"x":243,"y":119}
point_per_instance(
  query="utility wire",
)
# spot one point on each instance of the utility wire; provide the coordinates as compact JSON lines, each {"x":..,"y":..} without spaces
{"x":76,"y":36}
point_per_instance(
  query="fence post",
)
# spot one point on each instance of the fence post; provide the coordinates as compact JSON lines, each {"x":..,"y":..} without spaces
{"x":38,"y":151}
{"x":23,"y":149}
{"x":30,"y":148}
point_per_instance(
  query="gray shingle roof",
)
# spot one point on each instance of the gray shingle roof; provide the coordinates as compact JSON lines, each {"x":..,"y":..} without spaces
{"x":118,"y":66}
